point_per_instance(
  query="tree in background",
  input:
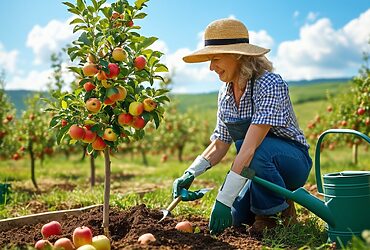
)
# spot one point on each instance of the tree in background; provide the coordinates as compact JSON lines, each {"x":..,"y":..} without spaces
{"x":348,"y":110}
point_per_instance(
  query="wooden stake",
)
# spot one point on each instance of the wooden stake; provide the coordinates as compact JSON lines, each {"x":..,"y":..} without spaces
{"x":106,"y":192}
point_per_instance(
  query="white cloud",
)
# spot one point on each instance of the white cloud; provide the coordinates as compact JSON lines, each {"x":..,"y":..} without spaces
{"x":312,"y":16}
{"x":8,"y":60}
{"x":322,"y":52}
{"x":261,"y":38}
{"x":48,"y":39}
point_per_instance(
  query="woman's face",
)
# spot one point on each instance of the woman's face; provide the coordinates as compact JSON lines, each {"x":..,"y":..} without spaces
{"x":226,"y":66}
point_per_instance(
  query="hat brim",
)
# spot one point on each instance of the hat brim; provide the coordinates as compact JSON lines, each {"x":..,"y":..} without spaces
{"x":204,"y":54}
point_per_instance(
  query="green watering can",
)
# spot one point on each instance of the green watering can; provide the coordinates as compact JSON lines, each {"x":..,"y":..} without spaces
{"x":346,"y":205}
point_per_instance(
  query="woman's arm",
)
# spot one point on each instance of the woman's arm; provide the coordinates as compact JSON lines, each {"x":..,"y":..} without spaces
{"x":216,"y":151}
{"x":255,"y":135}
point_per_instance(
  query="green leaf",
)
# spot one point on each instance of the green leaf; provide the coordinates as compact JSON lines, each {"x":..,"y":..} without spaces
{"x":161,"y":68}
{"x":71,"y":5}
{"x":84,"y":39}
{"x":74,"y":11}
{"x":77,"y":70}
{"x":140,"y":15}
{"x":95,"y":3}
{"x":148,"y":41}
{"x":139,"y":3}
{"x":77,"y":20}
{"x":62,"y":132}
{"x":80,"y":5}
{"x":156,"y":119}
{"x":107,"y":12}
{"x":54,"y":121}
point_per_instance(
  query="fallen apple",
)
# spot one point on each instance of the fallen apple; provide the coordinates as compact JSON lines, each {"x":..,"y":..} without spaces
{"x":64,"y":243}
{"x":51,"y":228}
{"x":86,"y":247}
{"x":145,"y":239}
{"x":184,"y":226}
{"x":43,"y":245}
{"x":101,"y":242}
{"x":82,"y":236}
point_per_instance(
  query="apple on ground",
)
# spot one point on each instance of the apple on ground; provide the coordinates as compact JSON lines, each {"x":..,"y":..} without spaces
{"x":184,"y":226}
{"x":64,"y":243}
{"x":86,"y":247}
{"x":98,"y":144}
{"x":88,"y":86}
{"x":113,"y":70}
{"x":136,"y":108}
{"x":138,"y":122}
{"x":149,"y":104}
{"x":90,"y":136}
{"x":101,"y":242}
{"x":140,"y":62}
{"x":51,"y":228}
{"x":93,"y":105}
{"x":119,"y":54}
{"x":124,"y":119}
{"x":76,"y":132}
{"x":43,"y":245}
{"x":145,"y":239}
{"x":90,"y":69}
{"x":82,"y":236}
{"x":109,"y":135}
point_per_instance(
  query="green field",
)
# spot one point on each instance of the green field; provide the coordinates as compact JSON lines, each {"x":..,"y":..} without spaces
{"x":65,"y":183}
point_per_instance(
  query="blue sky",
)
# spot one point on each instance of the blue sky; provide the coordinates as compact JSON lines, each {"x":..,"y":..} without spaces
{"x":309,"y":39}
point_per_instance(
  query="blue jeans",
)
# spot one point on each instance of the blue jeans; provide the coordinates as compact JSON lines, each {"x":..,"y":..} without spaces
{"x":283,"y":162}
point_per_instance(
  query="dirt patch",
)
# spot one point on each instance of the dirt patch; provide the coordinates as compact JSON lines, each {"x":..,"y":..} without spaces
{"x":127,"y":225}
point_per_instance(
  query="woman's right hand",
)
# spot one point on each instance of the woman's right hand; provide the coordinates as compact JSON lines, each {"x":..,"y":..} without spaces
{"x":183,"y":182}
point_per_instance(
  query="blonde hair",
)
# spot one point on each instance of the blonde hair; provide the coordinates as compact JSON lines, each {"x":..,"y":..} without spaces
{"x":252,"y":66}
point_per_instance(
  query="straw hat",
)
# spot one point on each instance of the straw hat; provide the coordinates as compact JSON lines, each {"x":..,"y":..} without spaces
{"x":225,"y":36}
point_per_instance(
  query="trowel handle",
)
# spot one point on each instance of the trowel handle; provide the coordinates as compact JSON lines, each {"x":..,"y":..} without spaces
{"x":174,"y":203}
{"x":318,"y":146}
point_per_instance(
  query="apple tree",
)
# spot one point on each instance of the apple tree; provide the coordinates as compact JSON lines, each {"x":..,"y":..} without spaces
{"x":7,"y":121}
{"x":348,"y":110}
{"x":116,"y":95}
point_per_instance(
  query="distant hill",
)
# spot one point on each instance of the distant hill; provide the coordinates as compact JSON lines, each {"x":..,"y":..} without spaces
{"x":301,"y":91}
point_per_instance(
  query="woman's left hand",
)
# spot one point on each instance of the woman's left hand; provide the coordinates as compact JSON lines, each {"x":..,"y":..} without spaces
{"x":220,"y":218}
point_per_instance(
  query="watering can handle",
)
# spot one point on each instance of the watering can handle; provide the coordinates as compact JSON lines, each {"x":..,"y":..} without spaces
{"x":318,"y":146}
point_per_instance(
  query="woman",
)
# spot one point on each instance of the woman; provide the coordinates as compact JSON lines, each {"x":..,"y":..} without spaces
{"x":254,"y":112}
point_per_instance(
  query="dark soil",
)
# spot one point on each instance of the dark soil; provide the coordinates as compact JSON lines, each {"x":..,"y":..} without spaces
{"x":127,"y":225}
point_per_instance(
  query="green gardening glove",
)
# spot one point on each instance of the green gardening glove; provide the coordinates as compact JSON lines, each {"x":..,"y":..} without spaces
{"x":220,"y":218}
{"x":187,"y":195}
{"x":183,"y":182}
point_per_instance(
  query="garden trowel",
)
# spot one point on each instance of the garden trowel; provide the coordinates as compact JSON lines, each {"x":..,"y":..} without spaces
{"x":166,"y":212}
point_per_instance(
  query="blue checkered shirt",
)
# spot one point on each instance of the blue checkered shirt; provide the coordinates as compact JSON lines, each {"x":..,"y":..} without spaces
{"x":272,"y":106}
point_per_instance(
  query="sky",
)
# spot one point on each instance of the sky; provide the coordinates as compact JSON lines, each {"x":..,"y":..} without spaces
{"x":309,"y":39}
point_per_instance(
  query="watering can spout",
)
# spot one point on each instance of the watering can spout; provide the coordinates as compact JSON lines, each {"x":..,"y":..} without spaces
{"x":301,"y":196}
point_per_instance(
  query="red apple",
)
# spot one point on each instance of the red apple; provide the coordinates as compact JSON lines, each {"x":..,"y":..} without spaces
{"x":138,"y":122}
{"x":9,"y":117}
{"x":145,"y":239}
{"x":63,"y":123}
{"x":98,"y":144}
{"x":101,"y":75}
{"x":16,"y":157}
{"x":43,"y":245}
{"x":130,"y":23}
{"x":76,"y":132}
{"x":119,"y":54}
{"x":361,"y":111}
{"x":113,"y":94}
{"x":113,"y":70}
{"x":88,"y":86}
{"x":115,"y":15}
{"x":136,"y":108}
{"x":90,"y":69}
{"x":64,"y":243}
{"x":89,"y":136}
{"x":108,"y":101}
{"x":140,"y":62}
{"x":51,"y":228}
{"x":149,"y":104}
{"x":124,"y":119}
{"x":93,"y":105}
{"x":109,"y":135}
{"x":101,"y":242}
{"x":82,"y":236}
{"x":329,"y":108}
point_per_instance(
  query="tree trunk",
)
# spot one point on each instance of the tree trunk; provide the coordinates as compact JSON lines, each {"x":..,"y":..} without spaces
{"x":66,"y":153}
{"x":92,"y":170}
{"x":106,"y":192}
{"x":32,"y":157}
{"x":145,"y":160}
{"x":180,"y":151}
{"x":355,"y":154}
{"x":84,"y":152}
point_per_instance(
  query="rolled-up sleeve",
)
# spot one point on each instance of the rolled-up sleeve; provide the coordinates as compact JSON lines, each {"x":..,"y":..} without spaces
{"x":270,"y":103}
